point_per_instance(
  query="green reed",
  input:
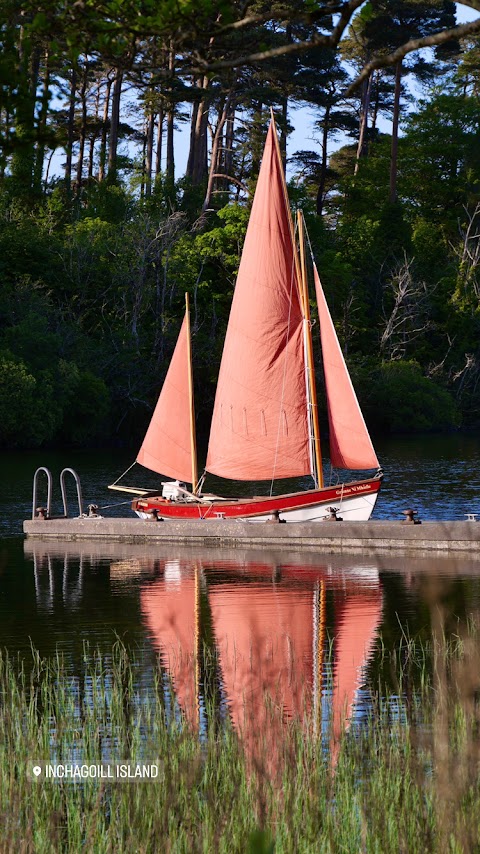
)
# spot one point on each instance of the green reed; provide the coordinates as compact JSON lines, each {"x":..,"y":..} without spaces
{"x":406,"y":779}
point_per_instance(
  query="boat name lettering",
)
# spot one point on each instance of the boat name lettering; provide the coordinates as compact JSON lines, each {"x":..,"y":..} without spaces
{"x":362,"y":487}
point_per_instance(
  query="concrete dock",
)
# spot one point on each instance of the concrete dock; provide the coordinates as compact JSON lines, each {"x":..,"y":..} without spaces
{"x":326,"y":537}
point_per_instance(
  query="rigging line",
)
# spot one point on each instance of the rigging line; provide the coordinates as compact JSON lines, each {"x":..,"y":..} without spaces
{"x":309,"y":245}
{"x":124,"y":473}
{"x":119,"y":504}
{"x":284,"y":378}
{"x":201,"y":482}
{"x":331,"y":474}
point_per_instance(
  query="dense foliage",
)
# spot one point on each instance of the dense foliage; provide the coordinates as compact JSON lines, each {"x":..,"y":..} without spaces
{"x":99,"y":238}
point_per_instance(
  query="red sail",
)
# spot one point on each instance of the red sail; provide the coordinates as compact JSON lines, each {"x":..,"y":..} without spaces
{"x":166,"y":447}
{"x":259,"y":425}
{"x":350,"y":443}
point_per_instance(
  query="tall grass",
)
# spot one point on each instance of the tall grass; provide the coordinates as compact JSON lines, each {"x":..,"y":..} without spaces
{"x":405,"y":780}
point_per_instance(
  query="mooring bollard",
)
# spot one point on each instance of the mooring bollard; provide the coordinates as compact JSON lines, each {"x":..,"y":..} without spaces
{"x":410,"y":517}
{"x":332,"y":517}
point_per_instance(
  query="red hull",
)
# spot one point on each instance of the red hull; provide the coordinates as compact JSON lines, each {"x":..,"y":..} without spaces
{"x":256,"y":507}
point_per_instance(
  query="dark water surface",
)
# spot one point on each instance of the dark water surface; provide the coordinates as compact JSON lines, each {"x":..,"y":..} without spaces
{"x":305,"y":629}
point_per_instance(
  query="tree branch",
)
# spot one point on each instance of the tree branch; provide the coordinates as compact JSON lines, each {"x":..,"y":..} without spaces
{"x":346,"y":11}
{"x":244,"y":22}
{"x":459,"y":32}
{"x":474,"y":4}
{"x":318,"y":40}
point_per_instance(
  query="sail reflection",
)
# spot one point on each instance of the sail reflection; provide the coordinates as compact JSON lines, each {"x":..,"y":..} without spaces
{"x":263,"y":638}
{"x":268,"y":630}
{"x":170,"y":608}
{"x":357,"y":620}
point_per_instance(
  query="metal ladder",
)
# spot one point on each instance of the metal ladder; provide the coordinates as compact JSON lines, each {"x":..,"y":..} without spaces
{"x":46,"y":512}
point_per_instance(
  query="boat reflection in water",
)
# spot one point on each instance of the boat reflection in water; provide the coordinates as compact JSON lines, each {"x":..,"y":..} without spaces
{"x":264,"y":639}
{"x":269,"y":642}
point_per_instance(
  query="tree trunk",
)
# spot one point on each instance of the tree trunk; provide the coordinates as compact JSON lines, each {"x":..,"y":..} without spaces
{"x":396,"y":116}
{"x":144,"y":157}
{"x":197,"y":166}
{"x":215,"y":155}
{"x":94,"y":135}
{"x":42,"y":127}
{"x":103,"y":143}
{"x":71,"y":129}
{"x":254,"y":139}
{"x":3,"y":158}
{"x":49,"y":163}
{"x":191,"y":150}
{"x":170,"y":165}
{"x":23,"y":160}
{"x":324,"y":165}
{"x":364,"y":122}
{"x":376,"y":102}
{"x":229,"y":138}
{"x":158,"y":153}
{"x":149,"y":154}
{"x":114,"y":127}
{"x":284,"y":125}
{"x":83,"y":130}
{"x":200,"y":167}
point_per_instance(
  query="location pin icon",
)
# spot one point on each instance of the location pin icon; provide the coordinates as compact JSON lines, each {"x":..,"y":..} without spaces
{"x":36,"y":770}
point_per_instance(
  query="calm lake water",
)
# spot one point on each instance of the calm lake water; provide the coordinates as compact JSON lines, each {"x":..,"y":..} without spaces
{"x":308,"y":630}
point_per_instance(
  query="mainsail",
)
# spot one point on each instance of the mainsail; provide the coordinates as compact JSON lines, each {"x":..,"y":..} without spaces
{"x":350,"y":443}
{"x":259,"y":426}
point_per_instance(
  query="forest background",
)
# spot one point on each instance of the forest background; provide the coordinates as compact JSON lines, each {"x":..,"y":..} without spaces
{"x":100,"y":237}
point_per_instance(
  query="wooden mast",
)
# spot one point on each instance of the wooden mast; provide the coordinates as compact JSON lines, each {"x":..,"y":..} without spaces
{"x":300,"y":270}
{"x":193,"y":439}
{"x":310,"y":366}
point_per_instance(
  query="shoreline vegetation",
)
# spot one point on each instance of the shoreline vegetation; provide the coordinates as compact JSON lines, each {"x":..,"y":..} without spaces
{"x":403,"y":777}
{"x":101,"y":236}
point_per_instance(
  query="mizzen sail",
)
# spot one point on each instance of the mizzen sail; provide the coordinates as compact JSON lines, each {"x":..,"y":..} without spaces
{"x":350,"y":443}
{"x":259,"y":425}
{"x":166,"y":448}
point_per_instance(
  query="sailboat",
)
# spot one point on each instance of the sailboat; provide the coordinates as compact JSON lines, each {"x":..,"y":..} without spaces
{"x":265,"y":418}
